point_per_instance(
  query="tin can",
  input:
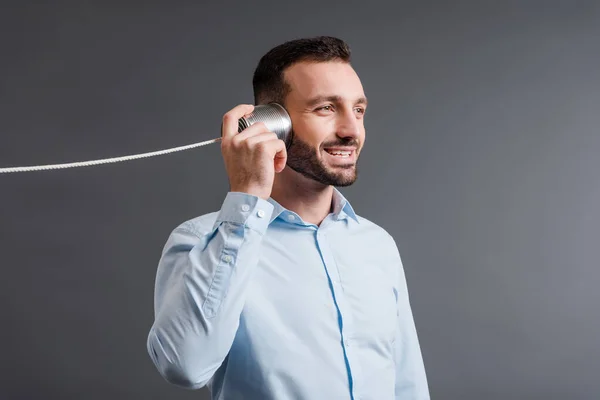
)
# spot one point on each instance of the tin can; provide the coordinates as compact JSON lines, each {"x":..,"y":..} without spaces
{"x":274,"y":116}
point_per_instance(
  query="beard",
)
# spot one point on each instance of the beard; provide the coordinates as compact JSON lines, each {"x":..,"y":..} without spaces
{"x":305,"y":160}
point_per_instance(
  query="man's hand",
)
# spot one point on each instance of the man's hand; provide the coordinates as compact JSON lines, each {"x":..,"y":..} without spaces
{"x":253,"y":156}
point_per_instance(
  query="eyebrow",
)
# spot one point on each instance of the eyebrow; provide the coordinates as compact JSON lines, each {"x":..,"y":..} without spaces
{"x":333,"y":99}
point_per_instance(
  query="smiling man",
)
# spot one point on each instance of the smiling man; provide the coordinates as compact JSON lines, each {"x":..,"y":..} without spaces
{"x":285,"y":292}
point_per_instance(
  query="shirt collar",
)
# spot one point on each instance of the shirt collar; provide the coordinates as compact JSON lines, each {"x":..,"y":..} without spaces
{"x":341,"y":207}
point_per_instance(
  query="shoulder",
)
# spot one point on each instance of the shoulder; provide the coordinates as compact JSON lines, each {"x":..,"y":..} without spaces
{"x":388,"y":253}
{"x":371,"y":228}
{"x":379,"y":235}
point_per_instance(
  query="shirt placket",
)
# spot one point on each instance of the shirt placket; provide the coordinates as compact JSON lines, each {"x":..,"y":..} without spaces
{"x":343,"y":309}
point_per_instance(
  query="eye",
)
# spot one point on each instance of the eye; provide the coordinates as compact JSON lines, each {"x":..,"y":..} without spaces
{"x":360,"y":112}
{"x":325,"y":108}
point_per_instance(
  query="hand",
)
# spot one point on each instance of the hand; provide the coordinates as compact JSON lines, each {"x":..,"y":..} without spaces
{"x":253,"y":156}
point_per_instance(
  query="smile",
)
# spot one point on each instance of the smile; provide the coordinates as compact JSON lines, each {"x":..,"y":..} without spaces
{"x":339,"y":153}
{"x":342,"y":154}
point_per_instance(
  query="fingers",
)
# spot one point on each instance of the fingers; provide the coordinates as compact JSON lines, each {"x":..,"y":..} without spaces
{"x":229,"y":127}
{"x":253,"y":130}
{"x":280,"y":157}
{"x":275,"y":148}
{"x":264,"y":141}
{"x":254,"y":138}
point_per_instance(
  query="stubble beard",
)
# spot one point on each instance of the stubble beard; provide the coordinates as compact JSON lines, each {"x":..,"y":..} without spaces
{"x":304,"y":159}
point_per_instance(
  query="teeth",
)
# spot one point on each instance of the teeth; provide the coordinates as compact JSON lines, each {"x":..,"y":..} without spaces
{"x":340,"y":153}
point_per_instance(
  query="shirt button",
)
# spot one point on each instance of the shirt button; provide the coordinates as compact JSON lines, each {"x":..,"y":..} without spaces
{"x":245,"y":207}
{"x":291,"y":217}
{"x":260,"y":213}
{"x":227,"y":259}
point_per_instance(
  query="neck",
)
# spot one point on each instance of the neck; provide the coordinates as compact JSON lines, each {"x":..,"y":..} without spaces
{"x":311,"y":200}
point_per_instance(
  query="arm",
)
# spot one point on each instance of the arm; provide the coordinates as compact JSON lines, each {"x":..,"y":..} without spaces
{"x":200,"y":290}
{"x":411,"y":379}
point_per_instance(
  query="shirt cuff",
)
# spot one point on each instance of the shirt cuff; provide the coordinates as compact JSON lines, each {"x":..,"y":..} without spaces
{"x":245,"y":209}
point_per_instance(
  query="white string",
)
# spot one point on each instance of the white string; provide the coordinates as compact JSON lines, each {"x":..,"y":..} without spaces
{"x":105,"y":160}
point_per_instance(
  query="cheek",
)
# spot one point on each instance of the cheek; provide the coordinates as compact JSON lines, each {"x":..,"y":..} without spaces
{"x":313,"y":133}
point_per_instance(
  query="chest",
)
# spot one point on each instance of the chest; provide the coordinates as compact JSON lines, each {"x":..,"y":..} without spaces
{"x":316,"y":287}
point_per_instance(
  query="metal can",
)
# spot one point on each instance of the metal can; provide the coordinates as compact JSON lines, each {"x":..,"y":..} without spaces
{"x":274,"y":116}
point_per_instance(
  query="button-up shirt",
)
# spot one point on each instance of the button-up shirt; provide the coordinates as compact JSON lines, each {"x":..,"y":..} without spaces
{"x":255,"y":303}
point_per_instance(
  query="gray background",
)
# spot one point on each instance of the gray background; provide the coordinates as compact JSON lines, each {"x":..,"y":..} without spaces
{"x":481,"y":160}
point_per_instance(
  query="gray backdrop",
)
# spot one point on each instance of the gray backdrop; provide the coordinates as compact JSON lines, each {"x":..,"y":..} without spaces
{"x":481,"y":160}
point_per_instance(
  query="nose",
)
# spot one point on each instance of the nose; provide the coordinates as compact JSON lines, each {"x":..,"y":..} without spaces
{"x":349,"y":126}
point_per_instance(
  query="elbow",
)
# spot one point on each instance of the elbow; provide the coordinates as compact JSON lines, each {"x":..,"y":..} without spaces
{"x":181,"y":377}
{"x":174,"y":371}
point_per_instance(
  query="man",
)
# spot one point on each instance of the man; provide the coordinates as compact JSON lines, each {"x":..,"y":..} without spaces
{"x":286,"y":293}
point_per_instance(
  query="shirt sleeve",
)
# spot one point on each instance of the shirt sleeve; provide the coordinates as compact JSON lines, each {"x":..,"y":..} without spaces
{"x":411,"y":379}
{"x":200,"y":290}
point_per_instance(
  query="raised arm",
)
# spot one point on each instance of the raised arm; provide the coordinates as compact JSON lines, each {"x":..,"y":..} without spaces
{"x":200,"y":290}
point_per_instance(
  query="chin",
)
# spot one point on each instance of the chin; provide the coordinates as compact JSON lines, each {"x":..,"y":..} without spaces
{"x":344,"y":183}
{"x":342,"y":180}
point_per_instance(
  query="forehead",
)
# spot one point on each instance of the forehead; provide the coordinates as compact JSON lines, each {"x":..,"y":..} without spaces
{"x":311,"y":79}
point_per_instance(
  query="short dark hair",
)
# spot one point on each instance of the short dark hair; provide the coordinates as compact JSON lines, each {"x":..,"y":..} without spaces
{"x":268,"y":83}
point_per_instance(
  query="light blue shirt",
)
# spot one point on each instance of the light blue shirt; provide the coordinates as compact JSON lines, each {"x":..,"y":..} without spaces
{"x":256,"y":304}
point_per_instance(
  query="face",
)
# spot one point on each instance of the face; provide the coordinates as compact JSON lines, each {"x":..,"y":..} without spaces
{"x":327,"y":105}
